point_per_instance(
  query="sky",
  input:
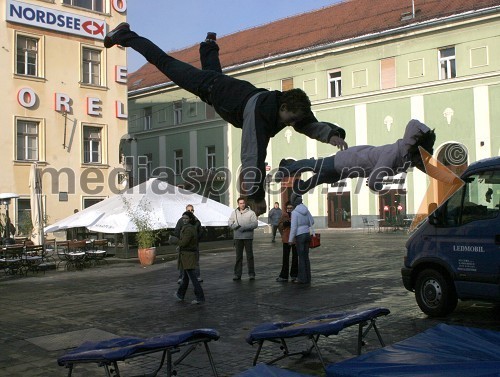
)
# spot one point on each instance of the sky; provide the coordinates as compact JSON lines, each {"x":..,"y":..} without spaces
{"x":174,"y":25}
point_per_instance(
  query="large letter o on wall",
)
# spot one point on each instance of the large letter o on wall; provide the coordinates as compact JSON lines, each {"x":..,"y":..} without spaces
{"x":26,"y":97}
{"x":119,"y":5}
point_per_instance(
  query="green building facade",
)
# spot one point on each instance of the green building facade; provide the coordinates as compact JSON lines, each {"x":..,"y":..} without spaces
{"x":444,"y":72}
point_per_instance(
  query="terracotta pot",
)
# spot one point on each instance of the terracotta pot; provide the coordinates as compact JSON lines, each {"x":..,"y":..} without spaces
{"x":147,"y":256}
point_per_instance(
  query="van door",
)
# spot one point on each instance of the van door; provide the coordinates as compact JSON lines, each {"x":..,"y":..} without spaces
{"x":475,"y":252}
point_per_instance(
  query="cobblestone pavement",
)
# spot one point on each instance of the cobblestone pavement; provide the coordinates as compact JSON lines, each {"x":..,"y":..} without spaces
{"x":43,"y":315}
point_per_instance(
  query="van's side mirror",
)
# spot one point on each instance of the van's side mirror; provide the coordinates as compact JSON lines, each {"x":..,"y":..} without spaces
{"x":433,"y":214}
{"x":433,"y":219}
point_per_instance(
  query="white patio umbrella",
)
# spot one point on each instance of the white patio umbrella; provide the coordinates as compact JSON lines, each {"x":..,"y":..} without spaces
{"x":165,"y":204}
{"x":35,"y":185}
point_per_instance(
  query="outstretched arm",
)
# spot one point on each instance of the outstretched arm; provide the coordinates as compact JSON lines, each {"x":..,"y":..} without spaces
{"x":322,"y":131}
{"x":337,"y":141}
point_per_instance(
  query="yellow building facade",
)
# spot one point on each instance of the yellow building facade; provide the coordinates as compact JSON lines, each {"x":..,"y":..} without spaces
{"x":64,"y":104}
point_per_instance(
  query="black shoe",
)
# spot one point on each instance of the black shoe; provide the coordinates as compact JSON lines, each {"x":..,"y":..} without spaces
{"x":285,"y":162}
{"x":283,"y":170}
{"x":110,"y":39}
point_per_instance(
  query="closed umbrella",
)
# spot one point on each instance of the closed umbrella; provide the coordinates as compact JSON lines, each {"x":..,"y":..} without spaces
{"x":35,"y":184}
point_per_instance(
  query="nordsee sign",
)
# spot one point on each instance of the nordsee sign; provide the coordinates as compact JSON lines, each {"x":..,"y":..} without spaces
{"x":46,"y":18}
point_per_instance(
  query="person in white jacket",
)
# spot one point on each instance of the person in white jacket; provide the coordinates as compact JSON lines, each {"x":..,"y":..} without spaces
{"x":243,"y":221}
{"x":375,"y":162}
{"x":302,"y":221}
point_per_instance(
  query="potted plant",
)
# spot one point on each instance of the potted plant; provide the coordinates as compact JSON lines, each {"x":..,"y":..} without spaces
{"x":146,"y":236}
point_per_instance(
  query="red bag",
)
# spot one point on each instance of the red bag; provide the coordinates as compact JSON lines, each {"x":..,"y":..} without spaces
{"x":315,"y":241}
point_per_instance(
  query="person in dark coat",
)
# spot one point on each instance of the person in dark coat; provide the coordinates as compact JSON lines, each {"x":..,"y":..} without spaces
{"x":274,"y":216}
{"x":187,"y":245}
{"x":284,"y":226}
{"x":260,"y":113}
{"x":199,"y":230}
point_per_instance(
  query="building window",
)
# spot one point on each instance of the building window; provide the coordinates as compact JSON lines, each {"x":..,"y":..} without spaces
{"x":148,"y":118}
{"x":447,"y":63}
{"x":209,"y":112}
{"x":178,"y":161}
{"x":95,"y":5}
{"x":210,"y":157}
{"x":162,"y":115}
{"x":286,"y":84}
{"x":134,"y":121}
{"x":177,"y":112}
{"x":144,"y":166}
{"x":388,"y":73}
{"x":27,"y":140}
{"x":27,"y":56}
{"x":92,"y":145}
{"x":91,"y":66}
{"x":88,"y":202}
{"x":24,"y":225}
{"x":334,"y":84}
{"x":193,"y":109}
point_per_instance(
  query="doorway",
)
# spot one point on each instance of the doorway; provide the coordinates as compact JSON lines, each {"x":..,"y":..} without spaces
{"x":339,"y":209}
{"x":392,"y":208}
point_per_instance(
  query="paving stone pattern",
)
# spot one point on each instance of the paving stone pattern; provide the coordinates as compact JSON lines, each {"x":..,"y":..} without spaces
{"x":350,"y":270}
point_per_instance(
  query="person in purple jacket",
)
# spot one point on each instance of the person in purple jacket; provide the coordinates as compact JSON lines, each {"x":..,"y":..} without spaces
{"x":300,"y":228}
{"x":260,"y":113}
{"x":366,"y":161}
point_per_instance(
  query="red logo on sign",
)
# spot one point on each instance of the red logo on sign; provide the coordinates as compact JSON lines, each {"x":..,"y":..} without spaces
{"x":93,"y":28}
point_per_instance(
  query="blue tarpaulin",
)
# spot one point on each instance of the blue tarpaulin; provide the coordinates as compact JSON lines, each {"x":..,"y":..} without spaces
{"x":442,"y":351}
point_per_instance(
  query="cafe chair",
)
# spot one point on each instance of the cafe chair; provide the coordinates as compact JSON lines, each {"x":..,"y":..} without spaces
{"x":97,"y":252}
{"x":368,"y":225}
{"x":11,"y":260}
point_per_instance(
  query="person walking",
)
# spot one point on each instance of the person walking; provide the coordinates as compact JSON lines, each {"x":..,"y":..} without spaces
{"x":199,"y":231}
{"x":274,"y":216}
{"x":188,"y":244}
{"x":260,"y":113}
{"x":284,"y":226}
{"x":243,"y":221}
{"x":301,"y":224}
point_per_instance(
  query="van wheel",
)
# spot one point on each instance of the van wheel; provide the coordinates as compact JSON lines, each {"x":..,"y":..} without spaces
{"x":435,"y":294}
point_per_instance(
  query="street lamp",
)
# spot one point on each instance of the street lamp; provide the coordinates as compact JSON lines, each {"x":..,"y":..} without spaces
{"x":5,"y":200}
